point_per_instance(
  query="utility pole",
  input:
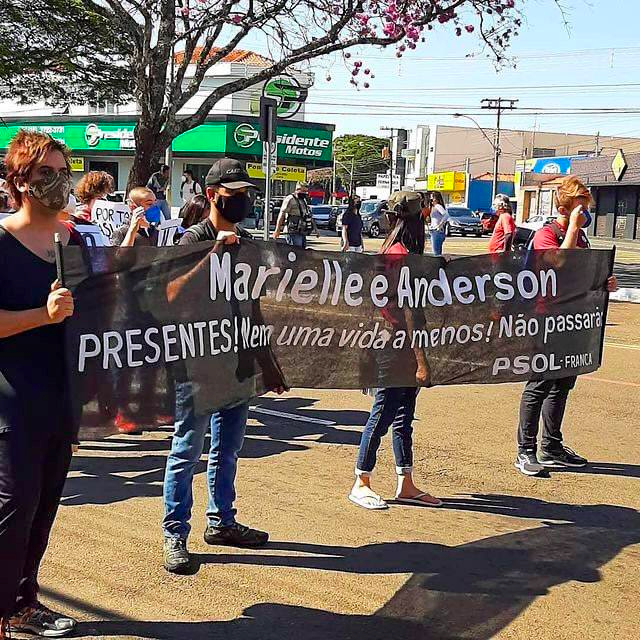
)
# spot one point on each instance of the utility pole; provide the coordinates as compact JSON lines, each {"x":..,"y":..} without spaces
{"x":597,"y":144}
{"x":498,"y":105}
{"x":391,"y":131}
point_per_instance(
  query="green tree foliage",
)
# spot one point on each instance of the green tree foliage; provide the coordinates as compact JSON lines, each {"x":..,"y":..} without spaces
{"x":359,"y":159}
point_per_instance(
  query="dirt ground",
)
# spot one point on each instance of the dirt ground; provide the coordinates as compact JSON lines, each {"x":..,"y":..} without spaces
{"x":507,"y":556}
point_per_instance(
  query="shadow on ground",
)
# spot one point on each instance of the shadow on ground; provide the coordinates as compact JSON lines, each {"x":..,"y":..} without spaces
{"x":110,"y":478}
{"x":471,"y":591}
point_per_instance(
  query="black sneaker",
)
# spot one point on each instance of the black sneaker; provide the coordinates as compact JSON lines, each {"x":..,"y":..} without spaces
{"x":527,"y":463}
{"x":41,"y":621}
{"x":564,"y":457}
{"x":236,"y":535}
{"x":176,"y":555}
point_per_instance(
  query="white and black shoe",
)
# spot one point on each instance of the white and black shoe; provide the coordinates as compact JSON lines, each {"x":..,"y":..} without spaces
{"x":527,"y":463}
{"x":564,"y":457}
{"x":42,"y":621}
{"x":176,"y":555}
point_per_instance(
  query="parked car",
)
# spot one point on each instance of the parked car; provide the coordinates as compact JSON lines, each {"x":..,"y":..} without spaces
{"x":463,"y":221}
{"x":339,"y":210}
{"x":323,"y":215}
{"x":374,"y":218}
{"x":488,"y":221}
{"x":526,"y":229}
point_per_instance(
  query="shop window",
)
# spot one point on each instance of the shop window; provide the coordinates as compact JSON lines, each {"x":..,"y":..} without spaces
{"x":102,"y":108}
{"x":542,"y":152}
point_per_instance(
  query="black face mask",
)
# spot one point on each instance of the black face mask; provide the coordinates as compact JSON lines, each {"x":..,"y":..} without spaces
{"x":234,"y":208}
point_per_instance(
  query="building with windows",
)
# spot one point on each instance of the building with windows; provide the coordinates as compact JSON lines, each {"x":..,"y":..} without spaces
{"x":101,"y":136}
{"x":439,"y":149}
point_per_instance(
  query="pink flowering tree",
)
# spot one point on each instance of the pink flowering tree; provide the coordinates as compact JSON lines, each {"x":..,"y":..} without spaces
{"x":158,"y":52}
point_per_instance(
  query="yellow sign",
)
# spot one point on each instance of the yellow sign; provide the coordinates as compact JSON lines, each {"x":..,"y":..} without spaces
{"x":619,"y":165}
{"x":457,"y":197}
{"x":282,"y":172}
{"x":77,"y":164}
{"x":447,"y":181}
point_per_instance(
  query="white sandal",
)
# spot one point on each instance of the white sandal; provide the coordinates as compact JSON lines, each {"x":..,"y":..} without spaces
{"x":369,"y":501}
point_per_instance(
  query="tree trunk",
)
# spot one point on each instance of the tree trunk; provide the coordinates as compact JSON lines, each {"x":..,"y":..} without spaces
{"x":149,"y":154}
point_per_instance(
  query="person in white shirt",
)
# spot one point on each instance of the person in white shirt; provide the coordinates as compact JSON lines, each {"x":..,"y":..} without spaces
{"x":190,"y":187}
{"x":438,"y":224}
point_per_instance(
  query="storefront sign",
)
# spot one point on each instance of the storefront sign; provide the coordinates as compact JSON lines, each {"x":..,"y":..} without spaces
{"x":289,"y":94}
{"x":77,"y":164}
{"x":555,"y":165}
{"x":281,"y":172}
{"x":297,"y":143}
{"x":382,"y":181}
{"x":447,"y":181}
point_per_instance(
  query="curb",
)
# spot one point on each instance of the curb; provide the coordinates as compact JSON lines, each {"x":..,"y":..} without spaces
{"x":626,"y":294}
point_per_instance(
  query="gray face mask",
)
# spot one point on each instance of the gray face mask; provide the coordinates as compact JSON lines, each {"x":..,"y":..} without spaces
{"x":52,"y":191}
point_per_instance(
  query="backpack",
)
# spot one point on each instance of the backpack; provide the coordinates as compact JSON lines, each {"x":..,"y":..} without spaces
{"x":300,"y":224}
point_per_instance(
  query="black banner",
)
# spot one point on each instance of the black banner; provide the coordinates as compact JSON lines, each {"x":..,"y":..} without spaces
{"x":235,"y":322}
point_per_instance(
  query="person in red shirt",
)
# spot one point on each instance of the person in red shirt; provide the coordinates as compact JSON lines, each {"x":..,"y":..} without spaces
{"x":549,"y":397}
{"x":503,"y":232}
{"x":395,"y":407}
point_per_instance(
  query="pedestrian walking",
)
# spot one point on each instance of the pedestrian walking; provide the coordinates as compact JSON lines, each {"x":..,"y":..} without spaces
{"x":395,"y":407}
{"x":352,"y":227}
{"x":226,"y":189}
{"x":438,"y":223}
{"x":190,"y":188}
{"x":158,"y":183}
{"x":36,"y":425}
{"x":505,"y":229}
{"x":548,"y":398}
{"x":296,"y":216}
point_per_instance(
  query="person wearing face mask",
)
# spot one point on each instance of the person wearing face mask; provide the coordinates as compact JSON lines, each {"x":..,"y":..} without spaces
{"x":158,"y":183}
{"x":190,"y":188}
{"x":36,"y":424}
{"x":226,"y":189}
{"x":295,"y":214}
{"x":548,"y":398}
{"x":146,"y":215}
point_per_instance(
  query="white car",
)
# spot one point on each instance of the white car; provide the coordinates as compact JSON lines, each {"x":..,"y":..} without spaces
{"x":536,"y":222}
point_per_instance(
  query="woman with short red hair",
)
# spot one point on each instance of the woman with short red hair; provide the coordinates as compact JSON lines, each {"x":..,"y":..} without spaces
{"x":95,"y":185}
{"x":36,"y":426}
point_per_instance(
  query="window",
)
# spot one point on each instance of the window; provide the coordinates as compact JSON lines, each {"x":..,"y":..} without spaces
{"x":102,"y":108}
{"x":541,"y":152}
{"x":586,"y":153}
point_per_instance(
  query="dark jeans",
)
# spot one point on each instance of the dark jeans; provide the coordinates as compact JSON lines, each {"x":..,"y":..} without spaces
{"x":297,"y":240}
{"x":549,"y":398}
{"x":33,"y":468}
{"x":395,"y":408}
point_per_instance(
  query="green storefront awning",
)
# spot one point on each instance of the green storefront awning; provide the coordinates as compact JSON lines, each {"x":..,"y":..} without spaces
{"x":302,"y":143}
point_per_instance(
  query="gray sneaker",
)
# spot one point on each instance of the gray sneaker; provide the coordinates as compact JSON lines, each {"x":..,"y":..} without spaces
{"x":527,"y":463}
{"x":176,"y":555}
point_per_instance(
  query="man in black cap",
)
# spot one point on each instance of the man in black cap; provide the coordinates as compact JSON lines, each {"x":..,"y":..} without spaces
{"x":226,"y":188}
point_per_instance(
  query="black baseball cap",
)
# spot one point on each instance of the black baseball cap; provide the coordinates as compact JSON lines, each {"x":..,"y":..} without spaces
{"x":228,"y":173}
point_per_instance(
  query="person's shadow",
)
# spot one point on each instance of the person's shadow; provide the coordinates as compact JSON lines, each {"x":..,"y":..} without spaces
{"x":471,"y":591}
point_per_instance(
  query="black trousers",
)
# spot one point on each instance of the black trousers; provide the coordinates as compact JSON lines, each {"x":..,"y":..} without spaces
{"x":549,"y":398}
{"x":33,"y":469}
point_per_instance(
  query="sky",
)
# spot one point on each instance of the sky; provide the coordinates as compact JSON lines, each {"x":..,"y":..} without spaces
{"x":593,"y":64}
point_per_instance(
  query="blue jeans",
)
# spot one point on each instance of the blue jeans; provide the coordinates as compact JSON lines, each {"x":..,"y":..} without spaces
{"x":227,"y":434}
{"x":393,"y":408}
{"x":165,"y":208}
{"x":437,"y":240}
{"x":297,"y":240}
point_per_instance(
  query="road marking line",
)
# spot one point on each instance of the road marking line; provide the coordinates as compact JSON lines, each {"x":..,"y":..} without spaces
{"x":621,"y":345}
{"x":607,"y":380}
{"x":291,"y":416}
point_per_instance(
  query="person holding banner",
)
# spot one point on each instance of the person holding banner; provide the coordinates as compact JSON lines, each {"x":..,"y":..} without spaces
{"x":36,"y":423}
{"x":226,"y":189}
{"x":395,"y":407}
{"x":548,"y":398}
{"x":95,"y":185}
